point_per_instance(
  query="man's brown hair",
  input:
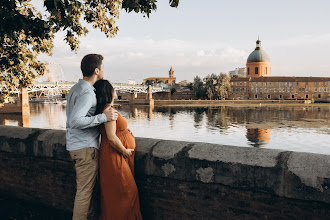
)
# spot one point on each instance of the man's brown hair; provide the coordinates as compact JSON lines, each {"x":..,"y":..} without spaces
{"x":89,"y":63}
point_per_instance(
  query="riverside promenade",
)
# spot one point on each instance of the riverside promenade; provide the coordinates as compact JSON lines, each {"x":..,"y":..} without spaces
{"x":176,"y":180}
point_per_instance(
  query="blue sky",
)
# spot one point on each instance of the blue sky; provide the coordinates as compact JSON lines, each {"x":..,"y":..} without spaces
{"x":210,"y":36}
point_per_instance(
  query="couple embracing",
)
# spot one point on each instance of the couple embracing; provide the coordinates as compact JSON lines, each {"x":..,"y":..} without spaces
{"x":90,"y":112}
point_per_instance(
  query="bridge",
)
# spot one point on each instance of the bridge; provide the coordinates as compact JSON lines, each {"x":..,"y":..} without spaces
{"x":57,"y":88}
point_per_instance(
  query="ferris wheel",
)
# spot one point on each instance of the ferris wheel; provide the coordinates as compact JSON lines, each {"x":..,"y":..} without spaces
{"x":55,"y":72}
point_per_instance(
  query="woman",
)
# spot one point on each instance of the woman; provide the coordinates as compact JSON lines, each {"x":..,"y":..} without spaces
{"x":119,"y":194}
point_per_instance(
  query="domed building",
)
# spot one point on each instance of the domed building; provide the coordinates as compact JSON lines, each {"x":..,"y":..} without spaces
{"x":259,"y":84}
{"x":258,"y":63}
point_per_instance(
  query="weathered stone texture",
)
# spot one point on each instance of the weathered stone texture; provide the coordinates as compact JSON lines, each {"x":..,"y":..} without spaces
{"x":176,"y":180}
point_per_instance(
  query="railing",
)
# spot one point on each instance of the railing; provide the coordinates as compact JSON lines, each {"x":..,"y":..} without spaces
{"x":66,"y":86}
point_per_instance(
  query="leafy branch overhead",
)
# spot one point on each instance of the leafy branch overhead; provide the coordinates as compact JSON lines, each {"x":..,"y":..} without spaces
{"x":26,"y":32}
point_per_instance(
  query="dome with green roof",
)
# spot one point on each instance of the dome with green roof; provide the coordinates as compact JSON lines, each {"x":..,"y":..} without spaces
{"x":258,"y":55}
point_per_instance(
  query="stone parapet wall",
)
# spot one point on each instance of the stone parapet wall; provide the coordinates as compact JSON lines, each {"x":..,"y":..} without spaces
{"x":177,"y":180}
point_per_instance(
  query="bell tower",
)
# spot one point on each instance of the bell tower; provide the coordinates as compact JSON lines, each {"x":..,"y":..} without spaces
{"x":171,"y":73}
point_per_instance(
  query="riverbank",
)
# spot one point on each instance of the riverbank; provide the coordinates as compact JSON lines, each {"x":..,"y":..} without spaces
{"x":253,"y":103}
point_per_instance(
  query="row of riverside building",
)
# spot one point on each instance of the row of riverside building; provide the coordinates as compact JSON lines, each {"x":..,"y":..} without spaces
{"x":259,"y":84}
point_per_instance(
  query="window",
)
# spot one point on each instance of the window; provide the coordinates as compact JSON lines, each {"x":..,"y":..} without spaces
{"x":265,"y":84}
{"x":256,"y":96}
{"x":297,"y":83}
{"x":270,"y":90}
{"x":244,"y":83}
{"x":240,"y":83}
{"x":256,"y":83}
{"x":288,"y":89}
{"x":252,"y":89}
{"x":303,"y":89}
{"x":306,"y":83}
{"x":256,"y":90}
{"x":260,"y":89}
{"x":268,"y":96}
{"x":306,"y":89}
{"x":265,"y":89}
{"x":320,"y":89}
{"x":266,"y":70}
{"x":280,"y":90}
{"x":274,"y":83}
{"x":292,"y":89}
{"x":280,"y":96}
{"x":248,"y":71}
{"x":232,"y":83}
{"x":319,"y":96}
{"x":270,"y":83}
{"x":274,"y":89}
{"x":315,"y":89}
{"x":256,"y":71}
{"x":299,"y":89}
{"x":283,"y":90}
{"x":292,"y":96}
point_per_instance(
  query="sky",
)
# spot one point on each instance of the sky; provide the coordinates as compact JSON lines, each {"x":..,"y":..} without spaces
{"x":204,"y":37}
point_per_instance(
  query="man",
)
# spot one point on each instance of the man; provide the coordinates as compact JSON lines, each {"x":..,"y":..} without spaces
{"x":82,"y":135}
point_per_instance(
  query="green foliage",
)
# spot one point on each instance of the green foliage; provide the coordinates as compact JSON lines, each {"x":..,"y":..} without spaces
{"x":238,"y":76}
{"x":198,"y":88}
{"x":150,"y":82}
{"x":173,"y":90}
{"x":217,"y":86}
{"x":25,"y":32}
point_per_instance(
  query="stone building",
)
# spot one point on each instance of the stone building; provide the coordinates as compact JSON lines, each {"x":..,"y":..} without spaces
{"x":259,"y":84}
{"x":167,"y":80}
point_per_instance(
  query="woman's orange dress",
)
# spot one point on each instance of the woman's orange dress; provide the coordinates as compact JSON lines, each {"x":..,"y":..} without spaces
{"x":119,"y":193}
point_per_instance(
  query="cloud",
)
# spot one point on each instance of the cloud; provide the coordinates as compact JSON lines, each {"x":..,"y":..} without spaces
{"x":139,"y":58}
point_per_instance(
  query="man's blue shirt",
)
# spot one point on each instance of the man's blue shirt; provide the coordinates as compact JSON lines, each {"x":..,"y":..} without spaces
{"x":82,"y":128}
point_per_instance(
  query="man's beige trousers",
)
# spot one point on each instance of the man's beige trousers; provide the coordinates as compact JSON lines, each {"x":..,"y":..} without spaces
{"x":86,"y":162}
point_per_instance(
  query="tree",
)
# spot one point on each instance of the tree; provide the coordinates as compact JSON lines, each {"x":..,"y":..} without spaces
{"x":217,"y":86}
{"x":173,"y":90}
{"x":210,"y":86}
{"x":198,"y":87}
{"x":150,"y":82}
{"x":26,"y":32}
{"x":223,"y":86}
{"x":238,"y":76}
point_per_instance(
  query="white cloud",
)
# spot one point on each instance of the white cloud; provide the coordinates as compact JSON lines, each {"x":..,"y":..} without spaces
{"x":134,"y":58}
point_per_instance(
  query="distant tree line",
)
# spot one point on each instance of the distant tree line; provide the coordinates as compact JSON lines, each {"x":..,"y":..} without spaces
{"x":213,"y":87}
{"x":156,"y":81}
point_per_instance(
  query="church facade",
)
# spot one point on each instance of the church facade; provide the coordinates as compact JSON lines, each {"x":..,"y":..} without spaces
{"x":167,"y":80}
{"x":259,"y":84}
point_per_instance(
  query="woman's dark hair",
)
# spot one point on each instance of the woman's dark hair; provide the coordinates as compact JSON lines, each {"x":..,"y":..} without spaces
{"x":104,"y":94}
{"x":89,"y":63}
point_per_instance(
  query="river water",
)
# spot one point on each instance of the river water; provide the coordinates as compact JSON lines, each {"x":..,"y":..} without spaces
{"x":305,"y":129}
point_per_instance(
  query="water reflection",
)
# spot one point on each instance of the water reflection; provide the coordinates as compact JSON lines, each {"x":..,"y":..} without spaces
{"x":258,"y":137}
{"x":243,"y":126}
{"x":15,"y":120}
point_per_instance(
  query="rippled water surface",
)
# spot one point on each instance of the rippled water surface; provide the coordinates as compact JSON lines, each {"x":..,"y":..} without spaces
{"x":304,"y":129}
